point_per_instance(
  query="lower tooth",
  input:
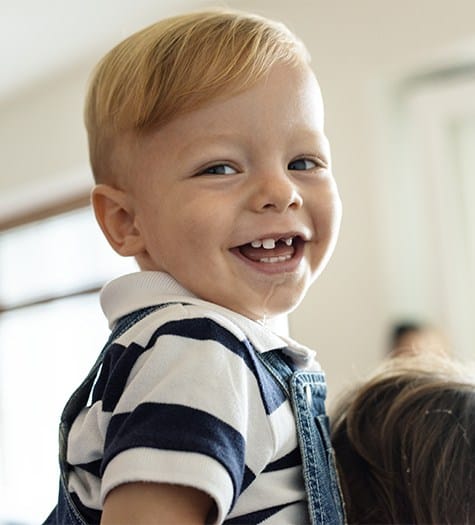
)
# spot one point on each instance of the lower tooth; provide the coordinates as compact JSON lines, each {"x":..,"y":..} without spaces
{"x":282,"y":258}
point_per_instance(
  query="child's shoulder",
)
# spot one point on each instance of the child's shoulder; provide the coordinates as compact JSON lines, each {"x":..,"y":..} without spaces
{"x":195,"y":320}
{"x":170,"y":308}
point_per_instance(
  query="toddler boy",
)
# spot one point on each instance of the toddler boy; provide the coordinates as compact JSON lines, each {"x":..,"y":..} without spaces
{"x":212,"y":169}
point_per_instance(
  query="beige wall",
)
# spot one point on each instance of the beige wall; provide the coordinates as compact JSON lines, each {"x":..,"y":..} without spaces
{"x":360,"y":50}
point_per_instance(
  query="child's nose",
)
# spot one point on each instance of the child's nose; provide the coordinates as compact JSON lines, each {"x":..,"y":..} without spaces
{"x":274,"y":190}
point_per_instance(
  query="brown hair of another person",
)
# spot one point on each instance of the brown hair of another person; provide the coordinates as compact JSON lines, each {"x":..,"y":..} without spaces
{"x":405,"y":444}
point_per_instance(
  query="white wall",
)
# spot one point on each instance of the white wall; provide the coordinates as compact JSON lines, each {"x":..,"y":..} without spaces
{"x":43,"y":142}
{"x":360,"y":50}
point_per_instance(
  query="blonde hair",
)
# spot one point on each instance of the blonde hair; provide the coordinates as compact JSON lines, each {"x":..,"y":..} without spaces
{"x":176,"y":66}
{"x":405,"y":444}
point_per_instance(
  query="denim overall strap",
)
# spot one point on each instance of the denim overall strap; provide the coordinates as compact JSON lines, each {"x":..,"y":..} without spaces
{"x":307,"y":392}
{"x":66,"y":513}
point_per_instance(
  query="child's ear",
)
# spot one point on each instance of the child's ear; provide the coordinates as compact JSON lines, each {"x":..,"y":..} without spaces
{"x":116,"y":218}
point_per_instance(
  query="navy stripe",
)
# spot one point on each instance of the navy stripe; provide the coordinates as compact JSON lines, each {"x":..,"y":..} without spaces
{"x":204,"y":329}
{"x":271,"y":393}
{"x":104,"y":373}
{"x":292,"y":459}
{"x":248,"y":478}
{"x":257,"y":517}
{"x":93,"y":467}
{"x":177,"y":428}
{"x":111,"y":358}
{"x":119,"y":361}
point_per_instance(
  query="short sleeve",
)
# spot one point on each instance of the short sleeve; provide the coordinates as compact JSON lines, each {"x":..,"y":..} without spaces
{"x":183,"y":414}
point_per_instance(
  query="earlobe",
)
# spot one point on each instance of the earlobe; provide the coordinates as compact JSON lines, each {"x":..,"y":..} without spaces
{"x":116,"y":218}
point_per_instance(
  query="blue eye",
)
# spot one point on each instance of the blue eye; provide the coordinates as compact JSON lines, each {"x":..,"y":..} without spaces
{"x":219,"y":169}
{"x":302,"y":165}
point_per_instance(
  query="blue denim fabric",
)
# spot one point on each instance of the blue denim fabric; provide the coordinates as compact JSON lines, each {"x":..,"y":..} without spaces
{"x":65,"y":512}
{"x":307,"y":392}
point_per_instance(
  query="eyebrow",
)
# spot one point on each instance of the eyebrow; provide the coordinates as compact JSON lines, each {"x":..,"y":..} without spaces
{"x":215,"y":137}
{"x":200,"y":142}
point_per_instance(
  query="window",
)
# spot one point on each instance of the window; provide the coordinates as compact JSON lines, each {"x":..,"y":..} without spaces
{"x":429,"y":204}
{"x":51,"y":331}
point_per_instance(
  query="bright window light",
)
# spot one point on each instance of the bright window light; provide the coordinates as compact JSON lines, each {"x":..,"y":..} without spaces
{"x":46,"y":349}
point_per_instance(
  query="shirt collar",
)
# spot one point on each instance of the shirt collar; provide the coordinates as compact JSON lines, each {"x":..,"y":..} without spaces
{"x":138,"y":290}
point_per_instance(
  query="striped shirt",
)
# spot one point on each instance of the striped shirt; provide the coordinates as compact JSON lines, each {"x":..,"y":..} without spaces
{"x":182,"y":398}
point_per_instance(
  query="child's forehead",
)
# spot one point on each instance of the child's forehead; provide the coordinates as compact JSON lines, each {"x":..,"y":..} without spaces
{"x":285,"y":92}
{"x":281,"y":112}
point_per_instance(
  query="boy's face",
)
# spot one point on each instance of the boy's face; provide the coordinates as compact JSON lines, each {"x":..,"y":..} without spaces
{"x":236,"y":200}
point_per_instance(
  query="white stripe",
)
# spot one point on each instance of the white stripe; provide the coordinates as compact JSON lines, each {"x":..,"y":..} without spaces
{"x":87,"y":435}
{"x":292,"y":515}
{"x":172,"y":373}
{"x":182,"y":371}
{"x":87,"y":487}
{"x":285,"y":432}
{"x":271,"y":489}
{"x":141,"y":331}
{"x":164,"y":466}
{"x":154,"y":382}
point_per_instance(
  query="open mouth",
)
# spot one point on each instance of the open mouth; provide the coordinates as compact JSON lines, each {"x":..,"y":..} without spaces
{"x":272,"y":250}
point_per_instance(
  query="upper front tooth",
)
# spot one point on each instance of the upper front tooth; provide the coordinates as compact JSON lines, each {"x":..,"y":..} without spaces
{"x":288,"y":241}
{"x":268,"y":243}
{"x":256,"y":244}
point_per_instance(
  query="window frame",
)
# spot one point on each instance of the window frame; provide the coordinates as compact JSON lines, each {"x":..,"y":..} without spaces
{"x":76,"y":202}
{"x":425,"y":277}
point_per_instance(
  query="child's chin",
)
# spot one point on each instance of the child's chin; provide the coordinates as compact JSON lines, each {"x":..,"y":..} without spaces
{"x":277,"y":309}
